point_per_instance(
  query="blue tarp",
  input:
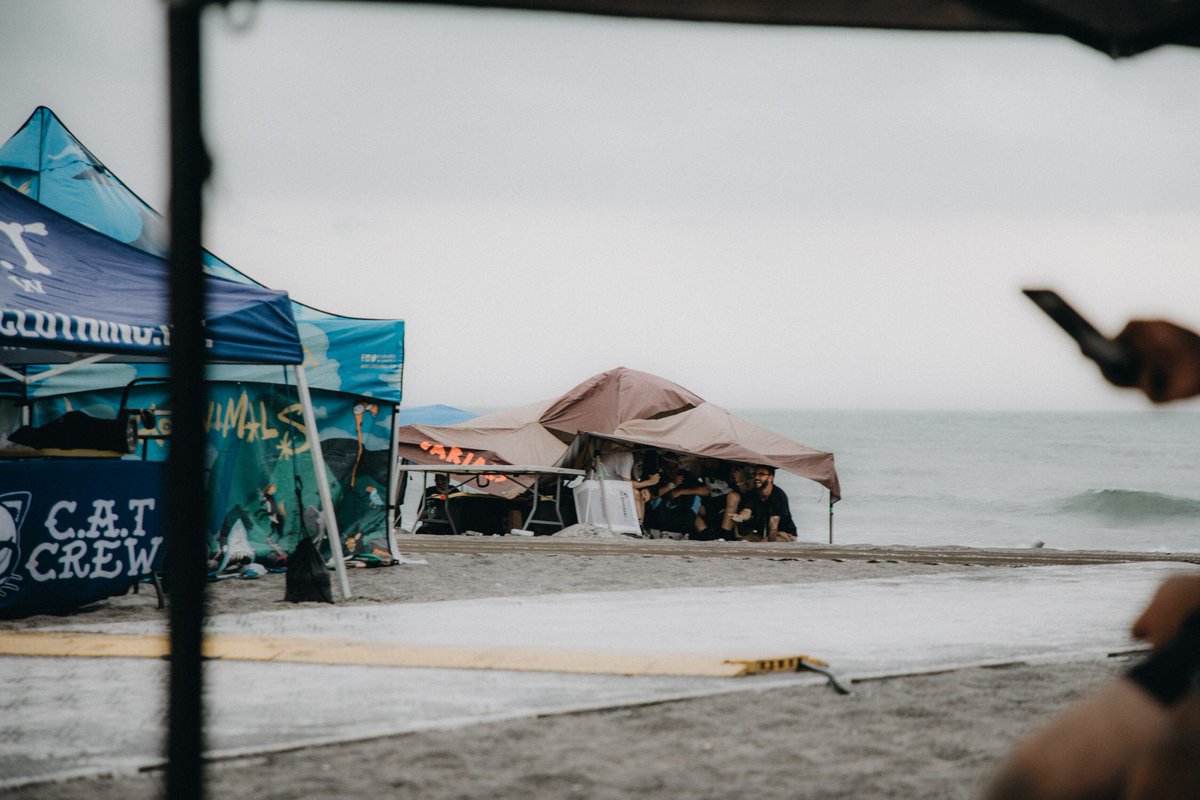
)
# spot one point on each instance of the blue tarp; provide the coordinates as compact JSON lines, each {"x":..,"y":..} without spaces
{"x":437,"y":414}
{"x":68,"y":288}
{"x":44,"y":160}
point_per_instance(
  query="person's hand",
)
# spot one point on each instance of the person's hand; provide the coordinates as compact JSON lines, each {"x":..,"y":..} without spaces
{"x":1169,"y":356}
{"x":1175,"y":600}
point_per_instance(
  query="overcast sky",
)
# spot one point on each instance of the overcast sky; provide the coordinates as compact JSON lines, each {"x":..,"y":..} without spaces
{"x":772,"y":217}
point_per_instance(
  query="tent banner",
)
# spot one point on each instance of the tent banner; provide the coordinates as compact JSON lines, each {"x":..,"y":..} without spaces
{"x":72,"y":288}
{"x":259,"y":455}
{"x":75,"y":530}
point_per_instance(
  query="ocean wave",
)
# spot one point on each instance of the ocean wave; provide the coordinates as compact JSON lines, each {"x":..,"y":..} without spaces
{"x":1130,"y":505}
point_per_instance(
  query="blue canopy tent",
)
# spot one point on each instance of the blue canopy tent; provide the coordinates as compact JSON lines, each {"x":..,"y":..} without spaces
{"x":45,"y":161}
{"x":355,"y":366}
{"x":72,"y":296}
{"x":72,"y":290}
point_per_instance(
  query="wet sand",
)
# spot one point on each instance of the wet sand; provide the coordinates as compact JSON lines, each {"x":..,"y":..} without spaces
{"x":928,"y":736}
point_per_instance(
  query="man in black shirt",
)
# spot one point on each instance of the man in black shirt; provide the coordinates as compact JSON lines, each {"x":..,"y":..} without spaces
{"x":766,"y":508}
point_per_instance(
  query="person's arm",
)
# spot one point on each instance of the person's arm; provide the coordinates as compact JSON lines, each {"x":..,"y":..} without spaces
{"x":1168,"y":356}
{"x":743,"y":512}
{"x":783,"y":511}
{"x":665,"y":489}
{"x":679,"y":491}
{"x":778,"y":504}
{"x":1129,"y":732}
{"x":1170,"y":768}
{"x":1087,"y":751}
{"x":1171,"y":771}
{"x":733,"y":502}
{"x":651,"y":481}
{"x":1177,"y":597}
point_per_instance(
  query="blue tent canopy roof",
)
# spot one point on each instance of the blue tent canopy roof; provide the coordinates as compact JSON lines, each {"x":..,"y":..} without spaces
{"x":66,"y":287}
{"x":45,"y":161}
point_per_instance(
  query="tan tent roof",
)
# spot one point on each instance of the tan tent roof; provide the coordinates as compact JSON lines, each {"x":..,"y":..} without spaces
{"x":605,"y":401}
{"x":621,"y":405}
{"x":526,"y":435}
{"x":537,"y":434}
{"x":710,"y":431}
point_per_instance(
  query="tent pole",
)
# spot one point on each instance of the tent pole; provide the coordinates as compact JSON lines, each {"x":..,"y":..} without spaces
{"x":394,"y":500}
{"x":318,"y":459}
{"x":831,"y":518}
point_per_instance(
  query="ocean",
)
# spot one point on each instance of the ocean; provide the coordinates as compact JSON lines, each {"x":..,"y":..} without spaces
{"x":1070,"y":480}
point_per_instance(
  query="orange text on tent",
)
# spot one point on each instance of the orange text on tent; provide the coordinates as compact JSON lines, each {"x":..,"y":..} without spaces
{"x":455,"y":455}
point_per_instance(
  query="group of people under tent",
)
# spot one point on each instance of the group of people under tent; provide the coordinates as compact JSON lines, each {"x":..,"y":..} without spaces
{"x":701,"y":499}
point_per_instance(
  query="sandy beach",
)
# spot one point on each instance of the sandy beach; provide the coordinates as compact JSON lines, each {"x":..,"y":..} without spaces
{"x":925,"y":736}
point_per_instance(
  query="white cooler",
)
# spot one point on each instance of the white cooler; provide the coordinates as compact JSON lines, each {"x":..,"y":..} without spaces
{"x":616,"y":510}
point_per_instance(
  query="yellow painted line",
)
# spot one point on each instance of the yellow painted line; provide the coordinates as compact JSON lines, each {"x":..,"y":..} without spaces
{"x":300,"y":650}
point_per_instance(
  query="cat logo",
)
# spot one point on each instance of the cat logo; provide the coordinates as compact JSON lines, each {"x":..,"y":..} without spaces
{"x":13,"y":506}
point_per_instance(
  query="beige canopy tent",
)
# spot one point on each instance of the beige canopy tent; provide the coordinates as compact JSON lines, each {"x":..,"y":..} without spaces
{"x":621,"y":408}
{"x":711,"y":432}
{"x":538,"y":434}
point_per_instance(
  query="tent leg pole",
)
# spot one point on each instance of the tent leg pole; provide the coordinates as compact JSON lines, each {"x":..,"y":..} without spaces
{"x":394,"y":499}
{"x":318,"y":459}
{"x":831,"y":520}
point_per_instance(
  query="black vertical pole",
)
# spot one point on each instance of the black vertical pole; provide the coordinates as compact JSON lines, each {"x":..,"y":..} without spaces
{"x":831,"y":519}
{"x":185,"y":505}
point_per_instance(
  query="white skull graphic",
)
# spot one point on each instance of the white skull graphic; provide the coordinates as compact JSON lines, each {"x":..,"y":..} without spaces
{"x":12,"y":512}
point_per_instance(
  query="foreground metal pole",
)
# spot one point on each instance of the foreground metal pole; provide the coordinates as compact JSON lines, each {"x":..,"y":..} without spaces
{"x":185,"y":505}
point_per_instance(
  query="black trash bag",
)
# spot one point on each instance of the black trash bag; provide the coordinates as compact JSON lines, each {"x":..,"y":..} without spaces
{"x":307,"y":579}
